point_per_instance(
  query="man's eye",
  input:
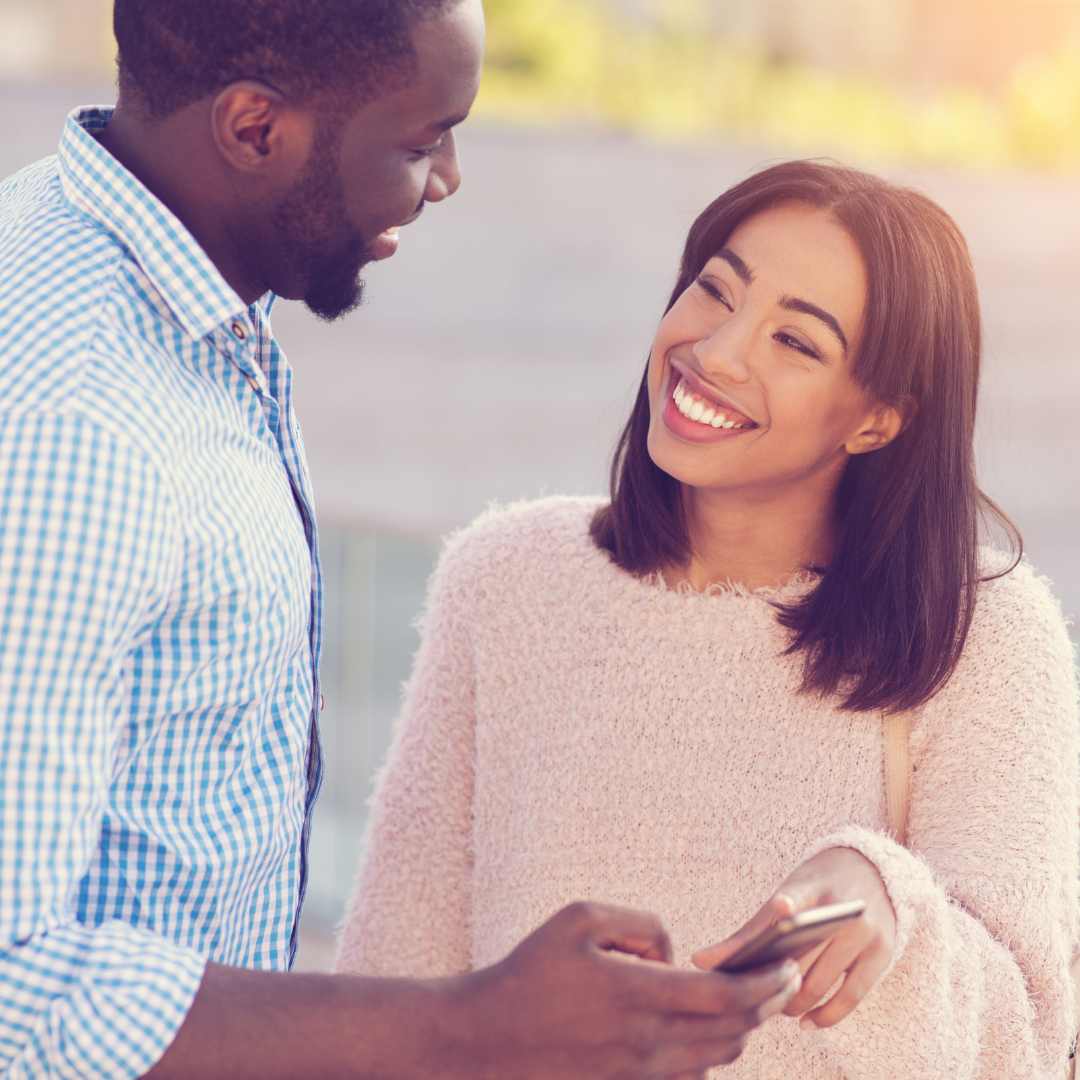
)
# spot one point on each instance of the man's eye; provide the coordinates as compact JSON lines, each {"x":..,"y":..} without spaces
{"x":428,"y":151}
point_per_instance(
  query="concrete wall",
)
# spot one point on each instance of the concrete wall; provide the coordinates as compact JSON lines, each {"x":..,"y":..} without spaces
{"x":50,"y":39}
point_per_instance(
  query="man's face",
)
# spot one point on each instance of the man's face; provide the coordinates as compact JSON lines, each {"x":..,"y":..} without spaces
{"x":374,"y":171}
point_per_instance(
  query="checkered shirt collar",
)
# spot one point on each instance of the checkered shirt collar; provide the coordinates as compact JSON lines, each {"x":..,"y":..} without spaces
{"x":97,"y":185}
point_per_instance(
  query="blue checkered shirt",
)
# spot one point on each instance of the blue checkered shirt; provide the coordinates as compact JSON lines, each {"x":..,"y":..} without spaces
{"x":159,"y":635}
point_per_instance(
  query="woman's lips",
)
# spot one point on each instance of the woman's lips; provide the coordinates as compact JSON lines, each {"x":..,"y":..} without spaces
{"x":385,"y":244}
{"x":704,"y":410}
{"x":691,"y":415}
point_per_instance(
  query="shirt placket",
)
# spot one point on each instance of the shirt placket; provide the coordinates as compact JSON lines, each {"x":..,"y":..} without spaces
{"x":267,"y":372}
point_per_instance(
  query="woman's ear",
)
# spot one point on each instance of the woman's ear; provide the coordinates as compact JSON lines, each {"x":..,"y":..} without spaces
{"x":881,"y":425}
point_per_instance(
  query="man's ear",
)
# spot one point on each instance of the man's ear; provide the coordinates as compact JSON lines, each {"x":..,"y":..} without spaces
{"x":257,"y":131}
{"x":881,"y":425}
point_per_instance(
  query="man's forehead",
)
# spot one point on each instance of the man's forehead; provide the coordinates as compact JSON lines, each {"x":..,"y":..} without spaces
{"x":449,"y":51}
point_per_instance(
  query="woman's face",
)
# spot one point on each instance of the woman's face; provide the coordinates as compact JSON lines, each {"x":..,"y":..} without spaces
{"x":750,"y":381}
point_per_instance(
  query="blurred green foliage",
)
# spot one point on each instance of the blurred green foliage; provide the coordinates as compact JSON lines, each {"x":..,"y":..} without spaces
{"x":576,"y":61}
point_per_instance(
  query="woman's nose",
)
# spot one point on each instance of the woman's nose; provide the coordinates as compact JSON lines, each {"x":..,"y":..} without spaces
{"x":726,"y":350}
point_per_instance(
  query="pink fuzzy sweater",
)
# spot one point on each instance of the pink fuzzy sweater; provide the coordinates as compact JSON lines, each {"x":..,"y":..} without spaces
{"x":573,"y":732}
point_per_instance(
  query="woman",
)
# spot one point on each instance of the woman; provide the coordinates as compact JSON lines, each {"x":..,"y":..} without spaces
{"x":675,"y":700}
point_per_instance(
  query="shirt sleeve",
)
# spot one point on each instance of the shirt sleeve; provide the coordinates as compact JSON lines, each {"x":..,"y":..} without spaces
{"x":87,"y":556}
{"x":986,"y":893}
{"x":408,"y":915}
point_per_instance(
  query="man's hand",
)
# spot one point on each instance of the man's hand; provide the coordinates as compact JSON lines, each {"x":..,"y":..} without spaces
{"x":564,"y":1005}
{"x":859,"y":952}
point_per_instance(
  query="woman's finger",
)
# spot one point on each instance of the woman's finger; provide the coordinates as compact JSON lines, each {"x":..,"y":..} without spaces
{"x":805,"y":962}
{"x":816,"y":985}
{"x":809,"y":959}
{"x":795,"y":894}
{"x":858,"y":983}
{"x":709,"y":957}
{"x":839,"y":955}
{"x":807,"y":886}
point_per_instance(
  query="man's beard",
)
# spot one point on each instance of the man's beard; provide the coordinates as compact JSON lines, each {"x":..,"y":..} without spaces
{"x":317,"y":238}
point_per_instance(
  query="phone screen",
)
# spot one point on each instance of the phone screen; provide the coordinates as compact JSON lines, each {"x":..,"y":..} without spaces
{"x":793,"y":936}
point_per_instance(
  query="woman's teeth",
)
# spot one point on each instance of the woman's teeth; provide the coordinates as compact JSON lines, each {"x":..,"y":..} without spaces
{"x":703,"y":412}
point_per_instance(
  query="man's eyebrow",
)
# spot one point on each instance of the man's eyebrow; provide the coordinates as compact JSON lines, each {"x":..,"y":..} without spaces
{"x":449,"y":122}
{"x":791,"y":303}
{"x":745,"y":274}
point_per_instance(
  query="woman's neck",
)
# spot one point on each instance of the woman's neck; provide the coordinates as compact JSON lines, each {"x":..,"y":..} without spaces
{"x":752,"y":539}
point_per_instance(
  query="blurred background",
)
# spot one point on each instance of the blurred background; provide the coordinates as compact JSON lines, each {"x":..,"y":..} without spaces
{"x":517,"y":316}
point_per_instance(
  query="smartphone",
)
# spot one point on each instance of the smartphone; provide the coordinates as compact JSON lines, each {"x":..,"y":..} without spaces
{"x":792,"y":936}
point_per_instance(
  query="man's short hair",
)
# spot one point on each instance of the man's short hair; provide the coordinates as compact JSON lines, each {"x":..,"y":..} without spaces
{"x":174,"y":52}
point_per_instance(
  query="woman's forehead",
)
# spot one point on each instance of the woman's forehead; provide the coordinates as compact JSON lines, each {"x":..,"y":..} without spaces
{"x":799,"y":251}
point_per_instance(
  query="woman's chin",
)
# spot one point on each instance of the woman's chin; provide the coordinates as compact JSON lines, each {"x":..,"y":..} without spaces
{"x":684,"y":463}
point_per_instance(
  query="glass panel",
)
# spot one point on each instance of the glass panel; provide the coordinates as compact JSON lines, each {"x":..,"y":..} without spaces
{"x":374,"y":590}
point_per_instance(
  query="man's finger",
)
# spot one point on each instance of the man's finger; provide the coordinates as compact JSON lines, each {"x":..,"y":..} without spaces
{"x":709,"y":957}
{"x":690,"y":1044}
{"x":608,"y":928}
{"x":696,"y":1058}
{"x":779,"y":1002}
{"x":691,"y":993}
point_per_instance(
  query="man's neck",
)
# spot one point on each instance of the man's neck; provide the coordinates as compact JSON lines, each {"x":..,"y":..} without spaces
{"x":175,"y":160}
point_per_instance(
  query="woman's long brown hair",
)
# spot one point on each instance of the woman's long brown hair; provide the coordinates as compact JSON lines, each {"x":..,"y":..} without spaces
{"x":886,"y":623}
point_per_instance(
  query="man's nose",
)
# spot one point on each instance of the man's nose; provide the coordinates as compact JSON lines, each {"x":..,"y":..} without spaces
{"x":445,"y":176}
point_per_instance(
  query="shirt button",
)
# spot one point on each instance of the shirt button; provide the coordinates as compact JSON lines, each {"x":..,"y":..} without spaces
{"x":253,"y":384}
{"x":239,"y":331}
{"x":322,"y":703}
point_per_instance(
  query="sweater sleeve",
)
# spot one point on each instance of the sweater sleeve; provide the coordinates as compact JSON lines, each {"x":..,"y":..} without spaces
{"x":409,"y":910}
{"x":986,"y":898}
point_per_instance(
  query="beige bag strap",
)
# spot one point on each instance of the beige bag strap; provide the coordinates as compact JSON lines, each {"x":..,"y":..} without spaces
{"x":896,"y":727}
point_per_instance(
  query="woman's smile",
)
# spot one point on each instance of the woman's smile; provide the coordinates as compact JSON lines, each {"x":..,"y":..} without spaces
{"x":698,"y":413}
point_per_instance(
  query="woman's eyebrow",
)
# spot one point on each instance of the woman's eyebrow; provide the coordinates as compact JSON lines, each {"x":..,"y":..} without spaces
{"x":745,"y":274}
{"x":791,"y":303}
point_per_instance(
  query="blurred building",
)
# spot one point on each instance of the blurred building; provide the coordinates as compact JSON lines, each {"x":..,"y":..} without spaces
{"x":922,"y":44}
{"x":56,"y":39}
{"x":983,"y":41}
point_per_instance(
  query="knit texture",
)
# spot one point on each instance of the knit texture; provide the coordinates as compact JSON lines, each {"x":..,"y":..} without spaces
{"x":573,"y":732}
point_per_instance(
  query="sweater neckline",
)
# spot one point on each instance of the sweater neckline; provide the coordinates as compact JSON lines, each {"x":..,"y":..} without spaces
{"x":654,"y":585}
{"x":785,"y":592}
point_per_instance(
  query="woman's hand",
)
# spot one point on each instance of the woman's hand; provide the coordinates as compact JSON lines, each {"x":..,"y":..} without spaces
{"x":859,"y":952}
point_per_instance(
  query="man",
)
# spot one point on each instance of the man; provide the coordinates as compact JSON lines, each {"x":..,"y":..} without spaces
{"x":158,"y":563}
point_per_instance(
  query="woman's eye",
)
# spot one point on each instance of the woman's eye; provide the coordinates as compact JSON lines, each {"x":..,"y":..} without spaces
{"x":795,"y":343}
{"x":713,"y":291}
